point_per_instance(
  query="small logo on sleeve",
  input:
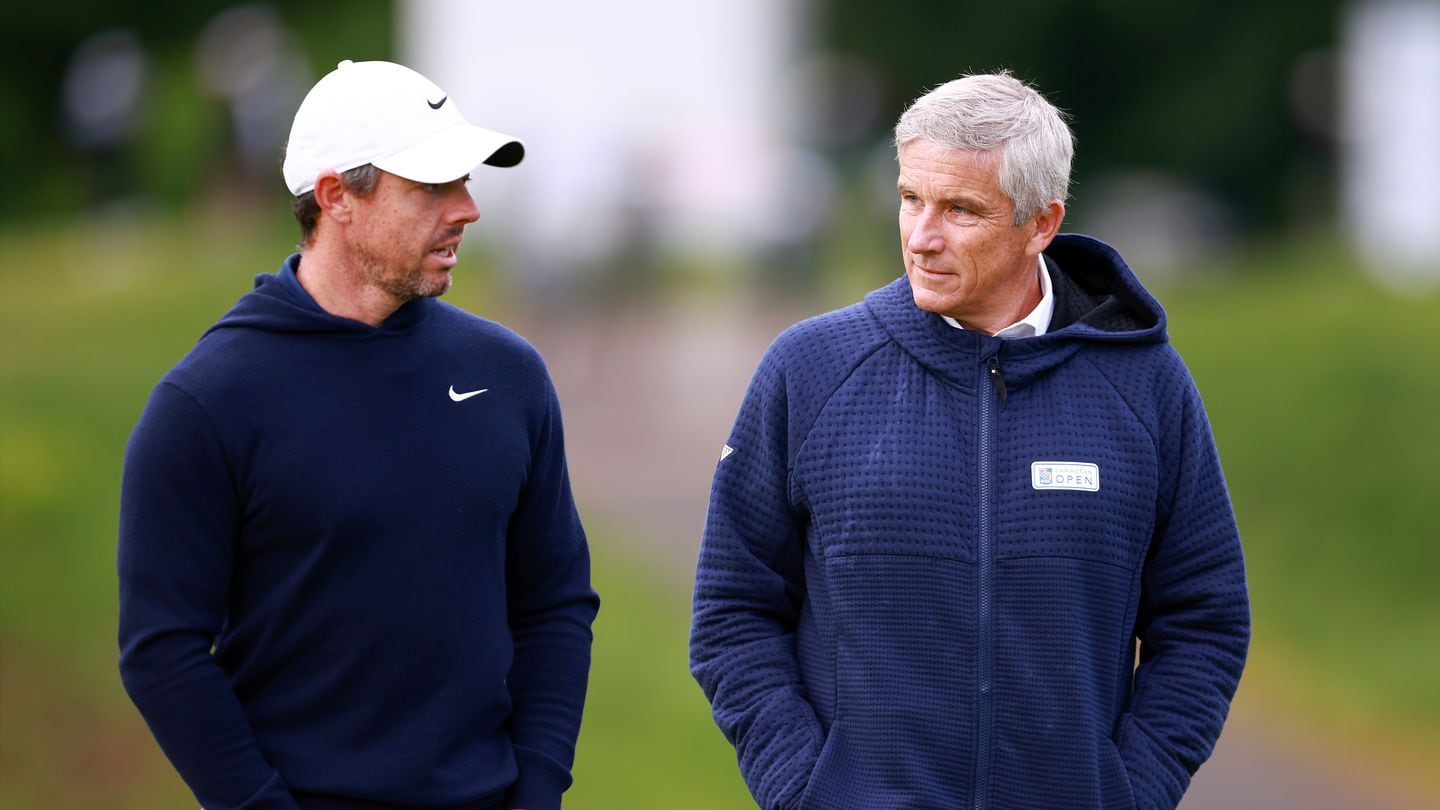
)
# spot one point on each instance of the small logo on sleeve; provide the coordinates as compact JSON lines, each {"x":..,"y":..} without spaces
{"x":1077,"y":475}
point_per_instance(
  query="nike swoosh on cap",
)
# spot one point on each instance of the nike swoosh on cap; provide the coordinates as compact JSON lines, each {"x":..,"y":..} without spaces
{"x":458,"y":397}
{"x":435,"y":105}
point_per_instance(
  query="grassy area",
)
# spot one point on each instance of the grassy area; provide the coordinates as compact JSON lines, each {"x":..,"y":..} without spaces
{"x":648,"y":740}
{"x":1321,"y":391}
{"x":1319,"y":386}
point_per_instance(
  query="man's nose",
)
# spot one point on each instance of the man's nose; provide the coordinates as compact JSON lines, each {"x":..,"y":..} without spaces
{"x":925,"y":236}
{"x":464,"y":210}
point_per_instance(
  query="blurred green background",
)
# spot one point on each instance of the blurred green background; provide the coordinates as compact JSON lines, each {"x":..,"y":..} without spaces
{"x":1320,"y":384}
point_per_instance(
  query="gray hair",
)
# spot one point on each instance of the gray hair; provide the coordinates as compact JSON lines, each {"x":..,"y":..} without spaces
{"x":986,"y":112}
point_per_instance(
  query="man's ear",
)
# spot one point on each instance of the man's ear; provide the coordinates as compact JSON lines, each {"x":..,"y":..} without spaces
{"x":332,"y":197}
{"x":1047,"y":224}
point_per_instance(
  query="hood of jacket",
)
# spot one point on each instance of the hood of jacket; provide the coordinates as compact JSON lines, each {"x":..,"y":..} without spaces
{"x":278,"y":304}
{"x":1098,"y":300}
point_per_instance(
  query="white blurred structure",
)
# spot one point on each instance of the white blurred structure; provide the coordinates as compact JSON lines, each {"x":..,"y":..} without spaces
{"x":1390,"y":170}
{"x":642,"y":119}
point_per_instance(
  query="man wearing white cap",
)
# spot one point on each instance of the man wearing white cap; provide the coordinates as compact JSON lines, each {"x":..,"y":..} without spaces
{"x":352,"y":575}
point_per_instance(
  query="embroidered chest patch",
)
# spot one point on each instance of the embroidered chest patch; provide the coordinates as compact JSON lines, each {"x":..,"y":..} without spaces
{"x":1076,"y":475}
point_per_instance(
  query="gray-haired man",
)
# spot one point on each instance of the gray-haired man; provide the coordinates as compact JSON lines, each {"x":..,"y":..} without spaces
{"x":947,"y":514}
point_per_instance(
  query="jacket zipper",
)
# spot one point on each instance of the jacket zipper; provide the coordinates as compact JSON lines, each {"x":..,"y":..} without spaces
{"x":985,"y":562}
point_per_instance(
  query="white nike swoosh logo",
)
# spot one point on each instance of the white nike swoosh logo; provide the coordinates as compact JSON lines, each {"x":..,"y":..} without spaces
{"x":462,"y":397}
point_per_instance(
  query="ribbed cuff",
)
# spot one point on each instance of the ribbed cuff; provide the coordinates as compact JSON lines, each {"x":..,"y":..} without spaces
{"x":540,"y":783}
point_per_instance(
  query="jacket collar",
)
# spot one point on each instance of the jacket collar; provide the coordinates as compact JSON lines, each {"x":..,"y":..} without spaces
{"x":1097,"y":299}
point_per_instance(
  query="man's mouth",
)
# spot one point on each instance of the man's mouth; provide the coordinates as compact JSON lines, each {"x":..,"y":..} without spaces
{"x":445,"y":254}
{"x":445,"y":249}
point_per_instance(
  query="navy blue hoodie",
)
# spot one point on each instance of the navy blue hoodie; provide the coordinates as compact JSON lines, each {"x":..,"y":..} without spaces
{"x":343,"y":582}
{"x":930,"y":553}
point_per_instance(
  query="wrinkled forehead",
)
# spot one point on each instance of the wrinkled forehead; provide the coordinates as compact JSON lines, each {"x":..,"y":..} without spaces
{"x":927,"y":163}
{"x":924,"y":149}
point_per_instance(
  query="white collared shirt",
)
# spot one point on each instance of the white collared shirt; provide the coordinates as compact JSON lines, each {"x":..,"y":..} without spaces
{"x":1037,"y":322}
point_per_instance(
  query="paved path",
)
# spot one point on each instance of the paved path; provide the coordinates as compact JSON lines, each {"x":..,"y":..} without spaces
{"x":649,"y":395}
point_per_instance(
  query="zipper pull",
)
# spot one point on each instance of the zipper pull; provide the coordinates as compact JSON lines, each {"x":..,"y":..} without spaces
{"x":997,"y":380}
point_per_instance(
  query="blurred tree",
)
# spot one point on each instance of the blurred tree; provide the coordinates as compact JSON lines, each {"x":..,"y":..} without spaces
{"x":1198,"y":89}
{"x":181,"y":131}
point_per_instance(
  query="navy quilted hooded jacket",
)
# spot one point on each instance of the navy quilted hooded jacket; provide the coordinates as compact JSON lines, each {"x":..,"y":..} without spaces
{"x":931,"y":553}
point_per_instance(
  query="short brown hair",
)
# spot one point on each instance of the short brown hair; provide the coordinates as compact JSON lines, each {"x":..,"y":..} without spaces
{"x":362,"y":180}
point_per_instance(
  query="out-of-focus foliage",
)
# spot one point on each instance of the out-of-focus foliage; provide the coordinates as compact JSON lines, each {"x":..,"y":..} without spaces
{"x":180,"y":145}
{"x":1197,"y":89}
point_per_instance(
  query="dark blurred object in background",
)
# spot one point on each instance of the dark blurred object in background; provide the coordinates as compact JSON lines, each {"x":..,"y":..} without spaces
{"x":250,"y":59}
{"x":105,"y":102}
{"x":102,"y":92}
{"x":1194,"y":89}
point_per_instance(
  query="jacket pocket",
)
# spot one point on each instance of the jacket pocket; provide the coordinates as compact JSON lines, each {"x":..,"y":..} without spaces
{"x":821,"y":781}
{"x":1056,"y":655}
{"x":1114,"y":779}
{"x":904,"y":681}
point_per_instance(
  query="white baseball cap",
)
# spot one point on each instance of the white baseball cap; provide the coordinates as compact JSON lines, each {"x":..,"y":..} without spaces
{"x":391,"y":116}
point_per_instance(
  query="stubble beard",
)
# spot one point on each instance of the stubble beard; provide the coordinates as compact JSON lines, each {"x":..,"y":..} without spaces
{"x":404,"y":284}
